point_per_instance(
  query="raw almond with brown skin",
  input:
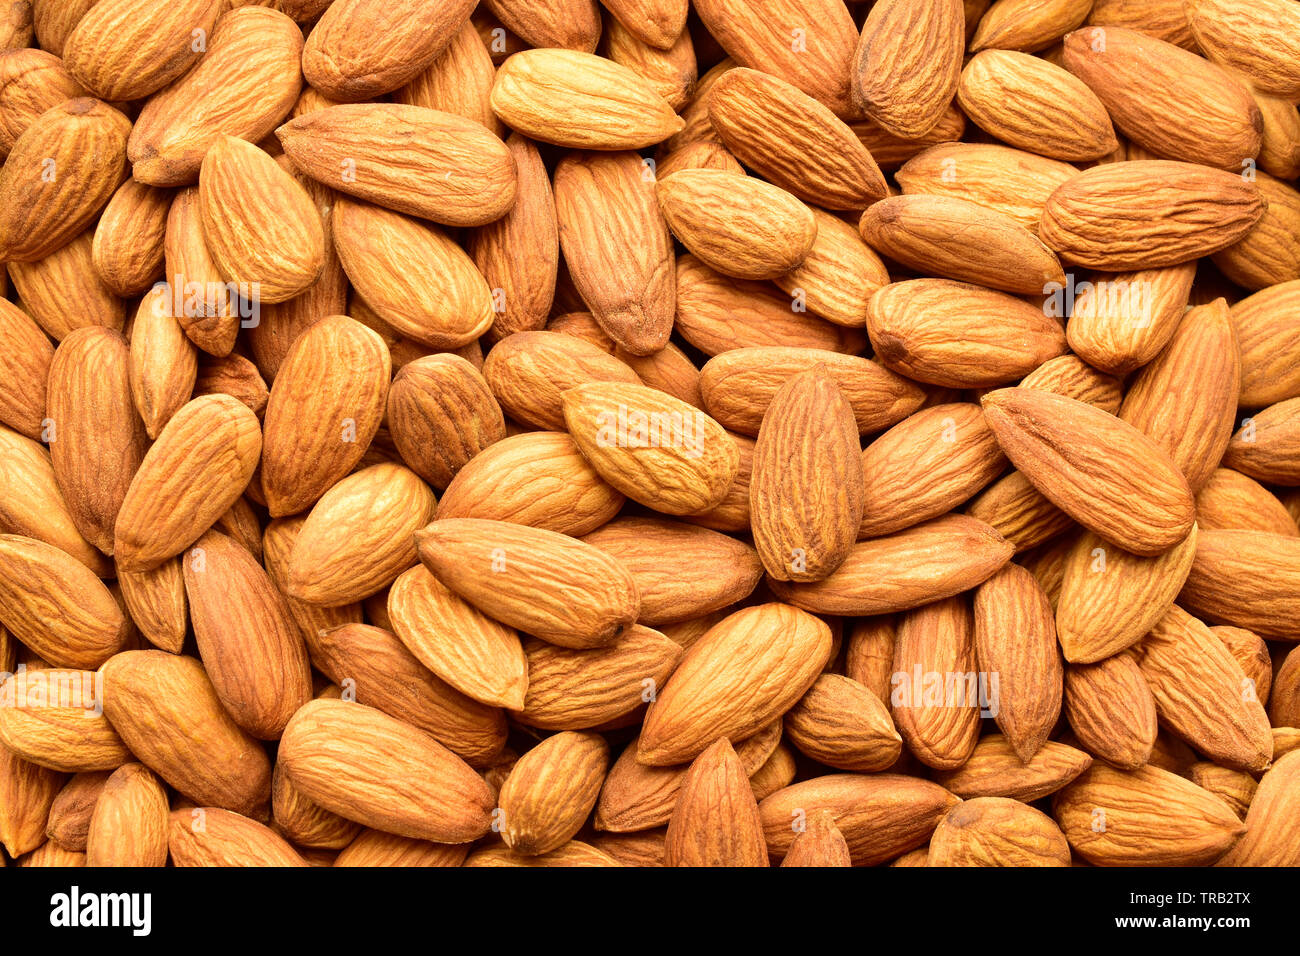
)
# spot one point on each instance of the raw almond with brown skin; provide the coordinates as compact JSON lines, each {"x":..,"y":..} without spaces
{"x":716,"y":820}
{"x":537,"y":478}
{"x":128,"y":244}
{"x":56,"y":606}
{"x":225,"y":839}
{"x":459,"y":80}
{"x":740,"y":226}
{"x":575,"y":853}
{"x":717,"y":691}
{"x":818,"y":65}
{"x":246,"y":637}
{"x":942,"y":234}
{"x":28,"y":792}
{"x":844,"y":725}
{"x":375,"y":848}
{"x":198,"y":467}
{"x":925,"y":466}
{"x":127,"y":49}
{"x":59,"y":175}
{"x":739,"y":384}
{"x":97,"y":441}
{"x":300,"y":820}
{"x":208,"y":312}
{"x":617,"y":246}
{"x":512,"y":572}
{"x":1032,"y":104}
{"x":475,"y":654}
{"x":869,"y":654}
{"x":1080,"y":457}
{"x":1251,"y":653}
{"x":366,"y":766}
{"x":670,"y":370}
{"x":930,"y":329}
{"x":1110,"y":707}
{"x":672,"y":71}
{"x":1110,"y":598}
{"x":1248,"y":579}
{"x":44,"y":287}
{"x":412,"y":275}
{"x":1012,"y":181}
{"x":1202,"y":355}
{"x":1015,"y":638}
{"x":820,"y":844}
{"x":916,"y":566}
{"x":387,"y":676}
{"x":1269,"y":253}
{"x":1120,"y":322}
{"x":163,"y":366}
{"x":167,"y":713}
{"x":1202,"y":693}
{"x":1267,"y":324}
{"x":357,"y":538}
{"x":1272,"y":837}
{"x":995,"y":770}
{"x":839,"y":275}
{"x":1151,"y":818}
{"x":156,"y":602}
{"x":177,"y":125}
{"x":326,"y":404}
{"x":1174,"y":212}
{"x":1265,"y":445}
{"x":71,"y":810}
{"x":551,"y":791}
{"x":892,"y":151}
{"x":129,"y":825}
{"x":907,"y":63}
{"x":568,"y":24}
{"x":793,"y":141}
{"x":805,"y":492}
{"x":1211,"y":120}
{"x":261,"y":228}
{"x":529,"y":371}
{"x":400,"y":40}
{"x":31,"y":82}
{"x":572,"y":689}
{"x":654,"y":550}
{"x":1027,"y":24}
{"x":997,"y":831}
{"x":654,"y":23}
{"x":652,"y":447}
{"x":1259,"y":41}
{"x":52,"y":718}
{"x":451,"y":170}
{"x":26,"y":367}
{"x":1072,"y":377}
{"x":880,"y":815}
{"x":581,"y":101}
{"x":1016,"y":510}
{"x":236,"y":376}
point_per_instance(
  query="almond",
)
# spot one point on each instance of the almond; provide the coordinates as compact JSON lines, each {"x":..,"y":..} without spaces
{"x":1271,"y":837}
{"x":211,"y":836}
{"x":129,"y":825}
{"x":716,"y":820}
{"x":31,"y":82}
{"x":551,"y":790}
{"x":1016,"y":510}
{"x":28,"y":792}
{"x":459,"y":81}
{"x":994,"y":769}
{"x":1264,"y":323}
{"x":820,"y":844}
{"x":842,"y":724}
{"x":26,"y":366}
{"x":997,"y":831}
{"x":54,"y":718}
{"x":209,"y":311}
{"x":375,"y":848}
{"x":1027,"y":24}
{"x":1110,"y":707}
{"x":570,"y":24}
{"x":128,"y":244}
{"x":1247,"y":579}
{"x":1120,"y":322}
{"x":1259,"y":40}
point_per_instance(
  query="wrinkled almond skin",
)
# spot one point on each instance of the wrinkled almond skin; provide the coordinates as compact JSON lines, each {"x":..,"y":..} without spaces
{"x":459,"y":80}
{"x":994,"y":769}
{"x":1110,"y":707}
{"x":1271,"y":837}
{"x":156,"y":602}
{"x":26,"y":367}
{"x":167,"y":713}
{"x":31,"y":82}
{"x":716,"y":820}
{"x":1120,"y":322}
{"x":208,"y":312}
{"x":1265,"y":446}
{"x":510,"y":572}
{"x":179,"y":124}
{"x":225,"y":839}
{"x":1265,"y":324}
{"x":129,"y":825}
{"x":720,"y":690}
{"x":820,"y":844}
{"x":805,"y":490}
{"x":52,"y":718}
{"x":551,"y":790}
{"x":200,"y":464}
{"x":368,"y":767}
{"x":997,"y":831}
{"x":844,"y":725}
{"x":29,"y":791}
{"x":61,"y":172}
{"x":128,"y":245}
{"x":1246,"y":579}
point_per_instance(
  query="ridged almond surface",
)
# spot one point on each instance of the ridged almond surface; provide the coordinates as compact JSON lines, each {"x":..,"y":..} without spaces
{"x":167,"y":713}
{"x":129,"y":824}
{"x":1147,"y":214}
{"x":1101,"y":471}
{"x":54,"y":718}
{"x":994,"y":769}
{"x":28,"y":792}
{"x":1120,"y":322}
{"x":746,"y":671}
{"x":475,"y":654}
{"x":1231,"y":501}
{"x":715,"y":822}
{"x":1110,"y":708}
{"x":575,"y":853}
{"x":916,"y":566}
{"x":793,"y":141}
{"x":97,"y":439}
{"x":298,"y":819}
{"x":326,"y":404}
{"x":198,"y":467}
{"x":1265,"y":447}
{"x":820,"y":844}
{"x":997,"y":831}
{"x":544,"y":583}
{"x":69,"y":818}
{"x":31,"y":82}
{"x":1268,"y":326}
{"x":1016,"y":510}
{"x":1258,"y":40}
{"x":128,"y":244}
{"x":652,"y":447}
{"x":568,"y":24}
{"x":805,"y":490}
{"x":617,"y":246}
{"x":1072,"y":377}
{"x":1270,"y":253}
{"x":1272,"y":836}
{"x":839,"y":274}
{"x":126,"y":49}
{"x":654,"y":22}
{"x":1147,"y":817}
{"x":26,"y":370}
{"x":211,"y":836}
{"x":56,"y":606}
{"x":907,"y":63}
{"x":208,"y":312}
{"x":412,"y":274}
{"x":1027,"y":24}
{"x":842,"y":724}
{"x":880,"y":815}
{"x":176,"y":127}
{"x":576,"y":99}
{"x":551,"y":791}
{"x":1172,"y":102}
{"x":959,"y":335}
{"x":376,"y":848}
{"x":60,"y":174}
{"x":163,"y":366}
{"x":368,"y":767}
{"x":459,"y":81}
{"x":418,"y":161}
{"x":1249,"y":579}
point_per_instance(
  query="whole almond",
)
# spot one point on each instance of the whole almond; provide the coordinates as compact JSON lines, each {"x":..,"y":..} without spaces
{"x":1271,"y":837}
{"x":198,"y":297}
{"x":995,"y":770}
{"x":1110,"y":707}
{"x":129,"y":825}
{"x":54,"y":718}
{"x":997,"y":831}
{"x":570,"y":24}
{"x":1265,"y":445}
{"x":842,"y":724}
{"x":211,"y":836}
{"x":1263,"y":323}
{"x":1027,"y":24}
{"x":156,"y":601}
{"x":1247,"y":579}
{"x":26,"y":366}
{"x":31,"y":82}
{"x":716,"y":820}
{"x":820,"y":844}
{"x":551,"y":791}
{"x":128,"y":248}
{"x":459,"y":80}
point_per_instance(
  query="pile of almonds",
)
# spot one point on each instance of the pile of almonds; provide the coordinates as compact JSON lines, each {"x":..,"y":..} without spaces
{"x":735,"y":432}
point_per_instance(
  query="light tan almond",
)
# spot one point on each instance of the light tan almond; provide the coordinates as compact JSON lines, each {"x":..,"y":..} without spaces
{"x":995,"y":770}
{"x":1110,"y":707}
{"x":211,"y":836}
{"x":54,"y":718}
{"x":997,"y":831}
{"x":129,"y":825}
{"x":551,"y":791}
{"x":1247,"y":579}
{"x":842,"y":724}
